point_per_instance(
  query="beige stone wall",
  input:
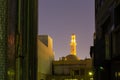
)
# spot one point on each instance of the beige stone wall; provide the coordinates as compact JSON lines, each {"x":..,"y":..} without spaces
{"x":45,"y":58}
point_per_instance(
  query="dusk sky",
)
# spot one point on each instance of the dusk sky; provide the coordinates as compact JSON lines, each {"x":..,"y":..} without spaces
{"x":60,"y":18}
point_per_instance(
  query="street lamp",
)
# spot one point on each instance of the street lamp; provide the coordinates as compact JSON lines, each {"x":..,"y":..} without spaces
{"x":90,"y":73}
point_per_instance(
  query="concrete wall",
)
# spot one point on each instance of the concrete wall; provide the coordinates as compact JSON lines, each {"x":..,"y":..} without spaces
{"x":45,"y":57}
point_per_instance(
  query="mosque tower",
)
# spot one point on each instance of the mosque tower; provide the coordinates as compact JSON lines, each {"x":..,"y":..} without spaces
{"x":73,"y":45}
{"x":72,"y":56}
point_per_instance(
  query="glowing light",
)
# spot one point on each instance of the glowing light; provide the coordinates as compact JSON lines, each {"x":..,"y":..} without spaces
{"x":101,"y":68}
{"x":73,"y":44}
{"x":90,"y":73}
{"x":91,"y":78}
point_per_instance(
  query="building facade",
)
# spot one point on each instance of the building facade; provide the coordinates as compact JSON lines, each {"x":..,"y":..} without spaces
{"x":18,"y":39}
{"x":45,"y":56}
{"x":105,"y":52}
{"x":71,"y":70}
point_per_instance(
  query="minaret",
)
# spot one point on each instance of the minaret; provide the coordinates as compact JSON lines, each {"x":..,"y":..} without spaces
{"x":73,"y":45}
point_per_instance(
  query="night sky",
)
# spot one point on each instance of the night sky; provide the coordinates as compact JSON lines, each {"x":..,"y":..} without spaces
{"x":60,"y":18}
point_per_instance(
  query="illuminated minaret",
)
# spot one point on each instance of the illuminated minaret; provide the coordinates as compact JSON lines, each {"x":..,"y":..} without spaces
{"x":73,"y":45}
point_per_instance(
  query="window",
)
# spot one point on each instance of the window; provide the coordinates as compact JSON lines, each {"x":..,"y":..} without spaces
{"x":82,"y":71}
{"x":117,"y":75}
{"x":76,"y":72}
{"x":116,"y":43}
{"x":70,"y":79}
{"x":101,"y":2}
{"x":117,"y":15}
{"x":105,"y":26}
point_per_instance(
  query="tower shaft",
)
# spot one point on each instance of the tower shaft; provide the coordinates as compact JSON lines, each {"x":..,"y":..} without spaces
{"x":73,"y":44}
